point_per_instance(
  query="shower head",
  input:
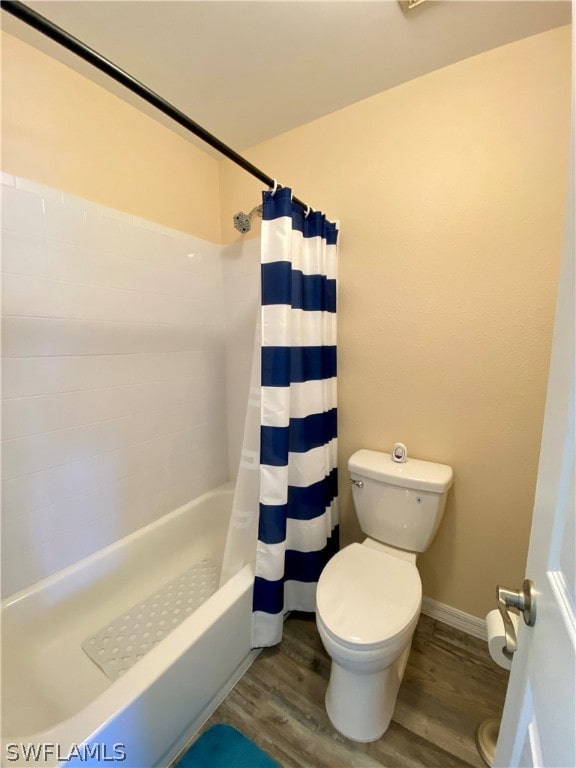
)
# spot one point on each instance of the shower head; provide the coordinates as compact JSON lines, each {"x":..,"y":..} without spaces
{"x":243,"y":221}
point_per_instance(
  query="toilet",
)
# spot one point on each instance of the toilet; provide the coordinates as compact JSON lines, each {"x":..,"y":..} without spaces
{"x":369,"y":595}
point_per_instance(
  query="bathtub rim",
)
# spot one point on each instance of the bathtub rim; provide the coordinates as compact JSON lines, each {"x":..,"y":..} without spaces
{"x":92,"y":560}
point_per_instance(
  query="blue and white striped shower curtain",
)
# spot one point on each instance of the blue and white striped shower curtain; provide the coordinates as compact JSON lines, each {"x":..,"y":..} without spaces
{"x":298,"y":513}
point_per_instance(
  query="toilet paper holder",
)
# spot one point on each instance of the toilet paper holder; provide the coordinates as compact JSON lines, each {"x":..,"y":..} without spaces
{"x":523,"y":600}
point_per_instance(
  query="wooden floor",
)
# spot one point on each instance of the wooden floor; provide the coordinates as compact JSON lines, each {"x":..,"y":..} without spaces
{"x":450,"y":685}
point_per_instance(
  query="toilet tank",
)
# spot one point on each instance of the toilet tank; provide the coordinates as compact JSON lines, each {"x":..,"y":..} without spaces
{"x":400,"y":504}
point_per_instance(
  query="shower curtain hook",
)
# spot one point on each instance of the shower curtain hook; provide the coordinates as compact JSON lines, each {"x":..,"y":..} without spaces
{"x":275,"y":187}
{"x":307,"y":211}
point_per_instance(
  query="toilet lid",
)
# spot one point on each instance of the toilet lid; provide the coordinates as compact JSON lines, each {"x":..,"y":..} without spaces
{"x":366,"y":596}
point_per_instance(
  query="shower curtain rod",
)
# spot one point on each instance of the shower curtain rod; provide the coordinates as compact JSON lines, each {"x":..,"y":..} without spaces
{"x":68,"y":41}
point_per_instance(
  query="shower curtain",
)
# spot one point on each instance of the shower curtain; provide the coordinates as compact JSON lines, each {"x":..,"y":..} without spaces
{"x":298,"y":513}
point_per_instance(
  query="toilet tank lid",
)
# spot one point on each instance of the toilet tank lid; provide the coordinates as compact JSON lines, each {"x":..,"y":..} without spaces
{"x":413,"y":473}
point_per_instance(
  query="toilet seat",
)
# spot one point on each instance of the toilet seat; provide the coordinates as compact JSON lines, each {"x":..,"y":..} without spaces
{"x":367,"y":599}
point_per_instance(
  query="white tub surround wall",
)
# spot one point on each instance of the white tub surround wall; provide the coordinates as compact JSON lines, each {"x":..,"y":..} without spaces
{"x":241,"y":267}
{"x":114,"y":401}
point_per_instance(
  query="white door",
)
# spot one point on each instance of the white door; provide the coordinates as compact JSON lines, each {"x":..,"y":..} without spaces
{"x":539,"y":721}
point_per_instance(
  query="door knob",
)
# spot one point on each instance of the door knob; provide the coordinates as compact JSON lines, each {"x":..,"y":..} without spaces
{"x":523,"y":600}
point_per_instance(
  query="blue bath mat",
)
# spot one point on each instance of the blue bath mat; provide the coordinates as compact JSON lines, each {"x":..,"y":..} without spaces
{"x":224,"y":747}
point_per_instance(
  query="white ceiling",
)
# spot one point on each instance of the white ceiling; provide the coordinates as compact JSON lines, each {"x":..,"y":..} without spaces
{"x":248,"y":71}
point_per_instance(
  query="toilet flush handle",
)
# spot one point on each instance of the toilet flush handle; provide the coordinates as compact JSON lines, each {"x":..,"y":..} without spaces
{"x":357,"y":483}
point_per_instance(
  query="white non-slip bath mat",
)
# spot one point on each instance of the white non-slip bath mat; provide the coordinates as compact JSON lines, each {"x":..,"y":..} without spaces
{"x":125,"y":640}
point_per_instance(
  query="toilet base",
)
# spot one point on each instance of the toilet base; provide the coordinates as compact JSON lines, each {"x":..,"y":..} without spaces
{"x":360,"y":705}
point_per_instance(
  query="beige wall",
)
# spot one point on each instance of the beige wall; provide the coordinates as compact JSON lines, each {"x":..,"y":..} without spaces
{"x":63,"y":130}
{"x":450,"y":190}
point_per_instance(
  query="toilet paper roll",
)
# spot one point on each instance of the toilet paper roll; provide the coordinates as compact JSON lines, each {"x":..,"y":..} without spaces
{"x":497,"y":637}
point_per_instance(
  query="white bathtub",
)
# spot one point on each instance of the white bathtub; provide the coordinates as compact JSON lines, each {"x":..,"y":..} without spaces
{"x":55,"y":699}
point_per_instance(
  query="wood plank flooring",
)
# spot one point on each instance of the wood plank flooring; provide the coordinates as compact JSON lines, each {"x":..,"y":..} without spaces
{"x":450,"y":685}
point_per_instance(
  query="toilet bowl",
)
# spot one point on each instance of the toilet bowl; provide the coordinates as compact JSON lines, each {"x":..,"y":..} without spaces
{"x":369,"y":595}
{"x":367,"y":607}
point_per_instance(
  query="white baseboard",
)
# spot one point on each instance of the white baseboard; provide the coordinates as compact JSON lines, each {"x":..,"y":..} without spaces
{"x":455,"y":618}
